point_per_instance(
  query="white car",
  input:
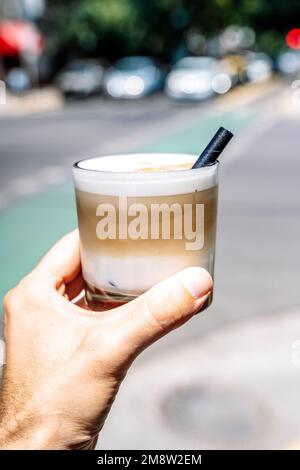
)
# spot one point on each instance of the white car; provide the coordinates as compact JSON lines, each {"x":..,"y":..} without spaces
{"x":288,"y":62}
{"x":259,"y":67}
{"x":197,"y":78}
{"x":81,"y":77}
{"x":133,"y":77}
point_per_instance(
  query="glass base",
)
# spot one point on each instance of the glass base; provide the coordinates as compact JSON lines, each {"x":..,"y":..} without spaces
{"x":100,"y":301}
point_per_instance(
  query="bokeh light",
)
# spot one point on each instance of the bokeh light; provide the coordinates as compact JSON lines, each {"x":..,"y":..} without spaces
{"x":293,"y":38}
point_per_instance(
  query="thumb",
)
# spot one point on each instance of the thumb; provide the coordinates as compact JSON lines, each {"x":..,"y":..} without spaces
{"x":164,"y":307}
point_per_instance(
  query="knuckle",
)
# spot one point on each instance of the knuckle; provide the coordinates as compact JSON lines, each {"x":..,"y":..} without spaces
{"x":27,"y":292}
{"x":17,"y":297}
{"x":9,"y":299}
{"x":31,"y":290}
{"x":11,"y":304}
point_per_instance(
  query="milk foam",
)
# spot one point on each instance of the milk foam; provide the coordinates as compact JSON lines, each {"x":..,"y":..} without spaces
{"x":120,"y":175}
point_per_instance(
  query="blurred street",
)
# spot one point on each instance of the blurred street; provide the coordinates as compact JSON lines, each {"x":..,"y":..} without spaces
{"x":89,"y":78}
{"x":256,"y":268}
{"x":98,"y":127}
{"x":82,"y":129}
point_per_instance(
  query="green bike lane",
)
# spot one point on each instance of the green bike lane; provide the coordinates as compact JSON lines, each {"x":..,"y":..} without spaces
{"x":31,"y":226}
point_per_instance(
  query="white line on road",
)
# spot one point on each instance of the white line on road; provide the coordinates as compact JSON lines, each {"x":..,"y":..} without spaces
{"x":24,"y":186}
{"x":265,"y":121}
{"x":53,"y":174}
{"x":29,"y":185}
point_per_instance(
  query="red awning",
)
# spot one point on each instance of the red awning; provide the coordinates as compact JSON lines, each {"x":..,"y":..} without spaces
{"x":17,"y":37}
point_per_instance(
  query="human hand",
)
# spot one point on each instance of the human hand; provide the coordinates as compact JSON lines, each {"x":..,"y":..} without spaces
{"x":64,"y":363}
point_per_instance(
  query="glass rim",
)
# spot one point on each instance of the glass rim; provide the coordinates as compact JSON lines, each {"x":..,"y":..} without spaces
{"x":151,"y":174}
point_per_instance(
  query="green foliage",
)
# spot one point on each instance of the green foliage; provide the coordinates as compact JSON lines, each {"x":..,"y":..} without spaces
{"x":91,"y":26}
{"x":111,"y":28}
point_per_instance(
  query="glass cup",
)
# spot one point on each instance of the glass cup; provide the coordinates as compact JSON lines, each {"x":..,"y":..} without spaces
{"x":142,"y":218}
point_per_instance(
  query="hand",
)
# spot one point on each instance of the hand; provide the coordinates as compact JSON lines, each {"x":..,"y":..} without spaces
{"x":64,"y":363}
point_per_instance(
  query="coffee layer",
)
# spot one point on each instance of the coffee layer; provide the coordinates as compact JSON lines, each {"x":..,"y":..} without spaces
{"x":134,"y":265}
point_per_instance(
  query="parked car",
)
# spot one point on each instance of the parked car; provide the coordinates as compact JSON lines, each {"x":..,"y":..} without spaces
{"x":81,"y":77}
{"x":259,"y":67}
{"x":197,"y":78}
{"x":288,"y":63}
{"x":133,"y":77}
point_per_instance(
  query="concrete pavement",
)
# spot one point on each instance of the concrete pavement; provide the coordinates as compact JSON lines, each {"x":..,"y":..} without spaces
{"x":237,"y":388}
{"x":42,"y":100}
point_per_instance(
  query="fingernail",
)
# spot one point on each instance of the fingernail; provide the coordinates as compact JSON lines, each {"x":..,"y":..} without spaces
{"x":197,"y":281}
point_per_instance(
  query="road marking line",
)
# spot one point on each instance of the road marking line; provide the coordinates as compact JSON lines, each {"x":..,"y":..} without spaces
{"x":23,"y":186}
{"x":265,"y":121}
{"x":52,"y":175}
{"x":29,"y":185}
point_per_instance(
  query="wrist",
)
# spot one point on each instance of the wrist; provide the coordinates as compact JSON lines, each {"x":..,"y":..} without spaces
{"x":21,"y":432}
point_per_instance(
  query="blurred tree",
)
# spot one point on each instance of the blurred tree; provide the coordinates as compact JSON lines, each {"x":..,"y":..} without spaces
{"x":92,"y":27}
{"x":112,"y":28}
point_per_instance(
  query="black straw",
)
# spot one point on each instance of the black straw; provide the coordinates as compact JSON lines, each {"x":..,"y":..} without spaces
{"x":211,"y":153}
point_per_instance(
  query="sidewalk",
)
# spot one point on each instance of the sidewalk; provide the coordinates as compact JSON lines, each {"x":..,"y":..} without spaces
{"x":237,"y":388}
{"x":49,"y":99}
{"x":36,"y":101}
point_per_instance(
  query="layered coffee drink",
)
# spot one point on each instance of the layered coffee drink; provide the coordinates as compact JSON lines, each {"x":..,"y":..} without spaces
{"x":142,"y":218}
